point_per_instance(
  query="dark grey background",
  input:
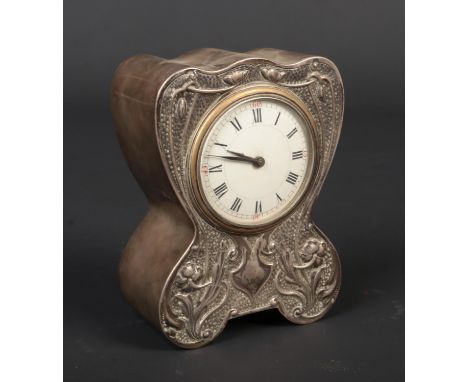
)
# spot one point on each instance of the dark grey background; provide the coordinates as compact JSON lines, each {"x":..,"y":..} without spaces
{"x":361,"y":207}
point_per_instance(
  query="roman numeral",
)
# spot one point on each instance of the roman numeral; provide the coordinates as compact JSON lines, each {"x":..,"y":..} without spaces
{"x":291,"y":133}
{"x":292,"y":178}
{"x":279,"y":198}
{"x":236,"y":124}
{"x":220,"y":144}
{"x":257,"y":114}
{"x":236,"y":205}
{"x":215,"y":169}
{"x":297,"y":154}
{"x":277,"y":118}
{"x":221,"y":190}
{"x":258,"y":206}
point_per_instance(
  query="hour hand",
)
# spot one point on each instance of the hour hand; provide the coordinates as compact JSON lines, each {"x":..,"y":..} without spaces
{"x":257,"y":162}
{"x":239,"y":159}
{"x":240,"y":154}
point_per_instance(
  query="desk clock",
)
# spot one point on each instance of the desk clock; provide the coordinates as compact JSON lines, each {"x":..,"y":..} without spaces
{"x":231,"y":150}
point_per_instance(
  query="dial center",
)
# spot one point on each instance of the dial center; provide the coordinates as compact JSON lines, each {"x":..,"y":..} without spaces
{"x":260,"y":161}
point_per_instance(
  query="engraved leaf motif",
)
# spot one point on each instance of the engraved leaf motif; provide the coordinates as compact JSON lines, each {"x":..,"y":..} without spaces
{"x":181,"y":108}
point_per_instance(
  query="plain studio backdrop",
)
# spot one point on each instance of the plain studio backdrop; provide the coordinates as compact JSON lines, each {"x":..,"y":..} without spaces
{"x":361,"y":207}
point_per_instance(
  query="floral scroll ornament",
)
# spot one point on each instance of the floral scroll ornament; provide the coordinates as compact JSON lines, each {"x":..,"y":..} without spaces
{"x":314,"y":77}
{"x":191,"y":85}
{"x":201,"y":292}
{"x":302,"y":275}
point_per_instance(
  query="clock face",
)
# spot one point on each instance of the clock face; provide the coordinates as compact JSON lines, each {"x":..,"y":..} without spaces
{"x":255,"y":161}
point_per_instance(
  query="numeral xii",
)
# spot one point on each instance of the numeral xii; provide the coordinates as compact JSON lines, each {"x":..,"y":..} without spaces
{"x":257,"y":114}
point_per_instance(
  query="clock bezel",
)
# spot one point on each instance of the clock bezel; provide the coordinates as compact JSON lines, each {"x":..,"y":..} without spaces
{"x":207,"y":122}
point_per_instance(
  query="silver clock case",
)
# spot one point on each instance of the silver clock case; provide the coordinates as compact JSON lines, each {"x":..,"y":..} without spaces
{"x":290,"y":265}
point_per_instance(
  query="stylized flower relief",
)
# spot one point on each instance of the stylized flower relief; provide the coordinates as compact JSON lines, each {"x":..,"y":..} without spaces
{"x":313,"y":247}
{"x":199,"y":292}
{"x":321,"y":81}
{"x":308,"y":276}
{"x":192,"y":272}
{"x":272,"y":74}
{"x":235,"y":77}
{"x":314,"y":75}
{"x":189,"y":275}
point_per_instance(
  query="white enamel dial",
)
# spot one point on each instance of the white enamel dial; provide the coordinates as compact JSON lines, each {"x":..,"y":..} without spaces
{"x":255,"y":161}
